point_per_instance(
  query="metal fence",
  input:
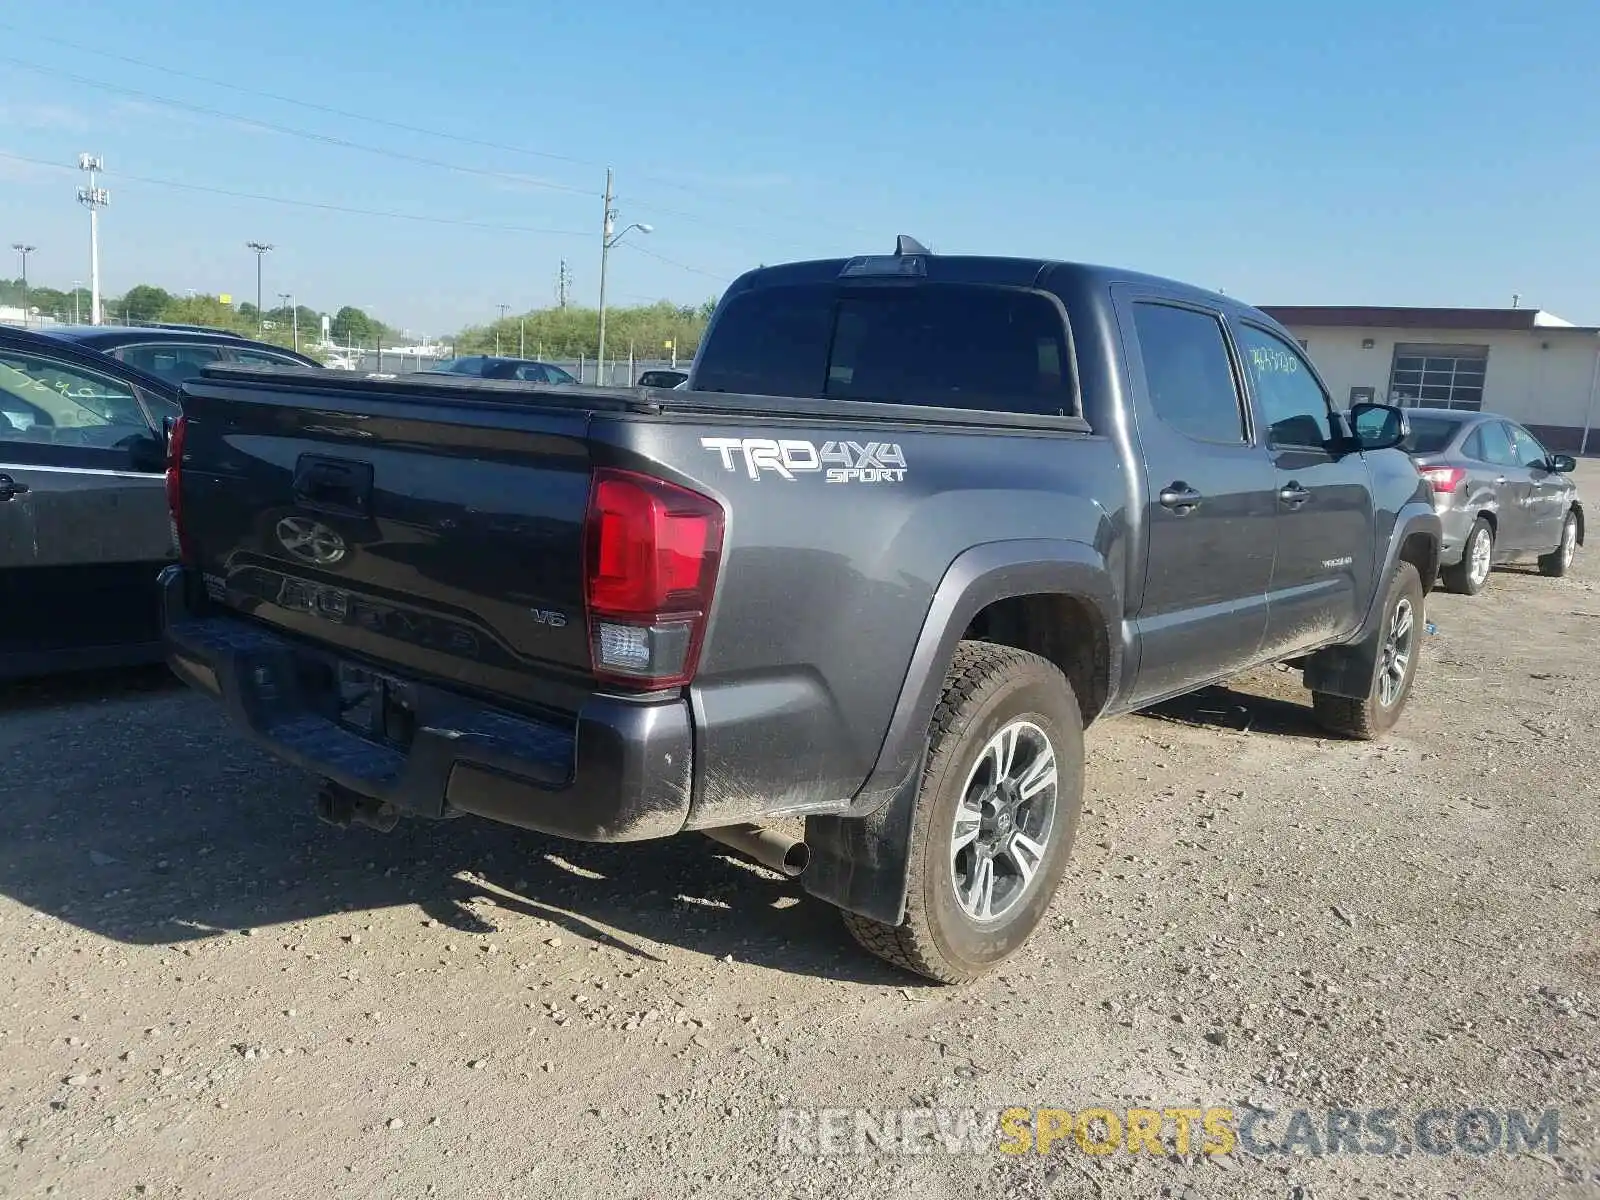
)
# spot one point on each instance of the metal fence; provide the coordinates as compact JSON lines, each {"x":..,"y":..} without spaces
{"x":618,"y":373}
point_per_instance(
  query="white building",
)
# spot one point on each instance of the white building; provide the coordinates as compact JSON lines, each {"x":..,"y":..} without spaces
{"x":1520,"y":362}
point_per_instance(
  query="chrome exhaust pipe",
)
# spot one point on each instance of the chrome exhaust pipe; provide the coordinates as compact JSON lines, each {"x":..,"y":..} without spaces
{"x":776,"y":851}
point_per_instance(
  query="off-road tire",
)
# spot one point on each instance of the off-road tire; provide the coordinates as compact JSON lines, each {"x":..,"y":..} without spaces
{"x":1458,"y":578}
{"x":1556,"y":563}
{"x":1368,"y":718}
{"x":987,"y":687}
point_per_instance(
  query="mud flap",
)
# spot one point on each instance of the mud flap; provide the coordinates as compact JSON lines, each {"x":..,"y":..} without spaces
{"x":1350,"y":671}
{"x":860,"y":864}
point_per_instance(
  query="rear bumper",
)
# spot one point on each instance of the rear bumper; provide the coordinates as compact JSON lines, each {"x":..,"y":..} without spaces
{"x":620,"y":772}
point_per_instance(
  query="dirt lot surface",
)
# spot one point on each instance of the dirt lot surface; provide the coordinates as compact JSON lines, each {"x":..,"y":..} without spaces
{"x":209,"y":994}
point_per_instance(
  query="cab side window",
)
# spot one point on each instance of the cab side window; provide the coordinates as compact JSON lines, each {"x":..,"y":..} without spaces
{"x":1293,"y":405}
{"x":1188,"y":372}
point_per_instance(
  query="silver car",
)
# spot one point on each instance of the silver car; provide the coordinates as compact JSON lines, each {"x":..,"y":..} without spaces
{"x":1501,"y":495}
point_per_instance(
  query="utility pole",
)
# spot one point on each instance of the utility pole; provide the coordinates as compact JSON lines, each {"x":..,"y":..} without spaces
{"x":22,"y":252}
{"x":522,"y":336}
{"x":608,"y":217}
{"x":503,"y":310}
{"x":563,"y":285}
{"x":294,"y":316}
{"x":608,"y":240}
{"x":77,"y":286}
{"x":94,"y":198}
{"x":261,"y":249}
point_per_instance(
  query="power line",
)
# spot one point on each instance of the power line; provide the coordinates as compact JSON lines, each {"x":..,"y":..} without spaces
{"x":401,"y":126}
{"x":339,"y":208}
{"x":290,"y":131}
{"x":307,"y":104}
{"x":681,"y":266}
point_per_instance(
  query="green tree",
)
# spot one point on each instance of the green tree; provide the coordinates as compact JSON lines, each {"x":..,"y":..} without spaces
{"x":143,"y":303}
{"x":350,"y":324}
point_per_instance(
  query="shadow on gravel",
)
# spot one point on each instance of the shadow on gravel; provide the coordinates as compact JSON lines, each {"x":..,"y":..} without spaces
{"x":80,"y":687}
{"x":1226,"y":708}
{"x":139,"y":815}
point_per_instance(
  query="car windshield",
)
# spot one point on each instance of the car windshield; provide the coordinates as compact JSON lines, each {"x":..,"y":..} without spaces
{"x":1429,"y":435}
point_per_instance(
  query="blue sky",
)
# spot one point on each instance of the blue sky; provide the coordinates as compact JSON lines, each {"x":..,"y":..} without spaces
{"x":1435,"y":152}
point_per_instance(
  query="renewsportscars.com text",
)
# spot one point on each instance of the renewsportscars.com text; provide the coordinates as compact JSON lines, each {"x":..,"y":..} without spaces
{"x":1177,"y":1129}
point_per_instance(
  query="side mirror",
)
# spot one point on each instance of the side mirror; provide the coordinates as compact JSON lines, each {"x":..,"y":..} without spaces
{"x":147,"y":453}
{"x":1562,"y":464}
{"x":1379,"y":426}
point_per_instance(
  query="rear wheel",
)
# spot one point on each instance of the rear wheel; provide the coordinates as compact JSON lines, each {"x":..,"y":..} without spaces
{"x":996,"y":816}
{"x":1559,"y":561}
{"x":1399,"y":637}
{"x":1469,"y":575}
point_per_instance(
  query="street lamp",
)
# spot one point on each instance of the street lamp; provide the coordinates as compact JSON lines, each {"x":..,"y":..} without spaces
{"x":504,"y":308}
{"x":22,"y":252}
{"x":608,"y":240}
{"x":294,"y":316}
{"x":261,"y":249}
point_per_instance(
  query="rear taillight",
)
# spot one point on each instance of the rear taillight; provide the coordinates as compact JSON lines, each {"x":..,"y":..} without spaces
{"x":652,"y":550}
{"x":1444,"y":479}
{"x":175,"y":440}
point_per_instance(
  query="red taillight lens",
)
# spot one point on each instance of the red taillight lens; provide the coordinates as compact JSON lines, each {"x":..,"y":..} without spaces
{"x":1444,"y":479}
{"x":652,"y":552}
{"x":175,"y":440}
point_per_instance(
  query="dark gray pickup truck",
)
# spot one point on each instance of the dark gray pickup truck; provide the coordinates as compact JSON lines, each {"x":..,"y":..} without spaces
{"x":913,"y":523}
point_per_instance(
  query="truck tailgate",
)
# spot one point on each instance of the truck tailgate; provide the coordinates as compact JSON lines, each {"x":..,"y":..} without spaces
{"x":438,"y":537}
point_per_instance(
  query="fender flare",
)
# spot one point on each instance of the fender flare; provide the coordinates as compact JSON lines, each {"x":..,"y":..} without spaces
{"x":860,"y":857}
{"x":1349,"y":669}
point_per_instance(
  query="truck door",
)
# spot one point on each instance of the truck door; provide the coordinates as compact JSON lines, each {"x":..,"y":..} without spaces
{"x":1322,"y":575}
{"x":1209,"y":500}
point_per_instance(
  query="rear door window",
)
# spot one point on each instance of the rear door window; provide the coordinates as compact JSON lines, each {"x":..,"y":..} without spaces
{"x":1497,"y":445}
{"x":943,"y":344}
{"x":174,"y":362}
{"x":1188,"y":372}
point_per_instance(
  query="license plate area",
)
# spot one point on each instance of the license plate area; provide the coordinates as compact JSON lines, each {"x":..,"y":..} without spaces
{"x":377,"y":707}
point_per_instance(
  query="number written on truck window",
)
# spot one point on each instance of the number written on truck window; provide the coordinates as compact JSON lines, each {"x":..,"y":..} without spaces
{"x":1293,"y":406}
{"x":1187,"y":370}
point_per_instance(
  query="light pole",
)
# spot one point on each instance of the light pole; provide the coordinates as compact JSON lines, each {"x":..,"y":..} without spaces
{"x":261,"y":249}
{"x":294,"y":317}
{"x":77,"y":286}
{"x":22,"y":252}
{"x":608,"y":240}
{"x":94,"y":198}
{"x":503,"y":309}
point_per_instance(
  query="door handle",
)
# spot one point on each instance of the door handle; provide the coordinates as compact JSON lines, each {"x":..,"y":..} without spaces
{"x":9,"y":487}
{"x":1293,"y":494}
{"x":1180,"y":498}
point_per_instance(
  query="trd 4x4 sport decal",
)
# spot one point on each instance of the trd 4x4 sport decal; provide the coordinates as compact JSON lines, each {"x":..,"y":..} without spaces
{"x":838,"y":462}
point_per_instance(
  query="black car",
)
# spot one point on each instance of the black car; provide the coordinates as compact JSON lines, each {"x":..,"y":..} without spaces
{"x":662,"y":377}
{"x":175,"y":352}
{"x":83,"y":516}
{"x":489,"y":366}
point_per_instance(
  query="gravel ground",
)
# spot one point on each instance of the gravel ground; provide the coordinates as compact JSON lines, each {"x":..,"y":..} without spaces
{"x":209,"y":994}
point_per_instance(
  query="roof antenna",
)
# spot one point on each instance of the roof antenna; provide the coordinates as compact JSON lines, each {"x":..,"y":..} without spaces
{"x":906,"y":244}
